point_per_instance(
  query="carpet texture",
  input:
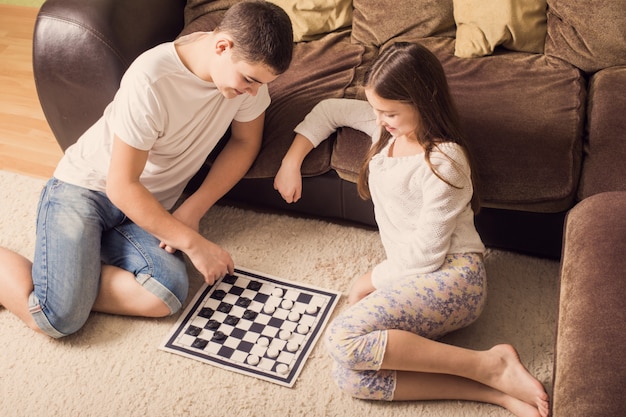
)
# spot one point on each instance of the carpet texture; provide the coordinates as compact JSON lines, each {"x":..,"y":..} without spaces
{"x":113,"y":366}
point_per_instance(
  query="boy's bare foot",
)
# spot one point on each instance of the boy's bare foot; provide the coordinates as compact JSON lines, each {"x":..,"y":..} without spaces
{"x":511,"y":377}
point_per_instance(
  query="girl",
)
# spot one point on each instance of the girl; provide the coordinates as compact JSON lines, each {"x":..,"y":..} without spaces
{"x":432,"y":282}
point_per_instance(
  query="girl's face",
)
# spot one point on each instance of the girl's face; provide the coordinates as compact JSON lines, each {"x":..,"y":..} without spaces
{"x":398,"y":118}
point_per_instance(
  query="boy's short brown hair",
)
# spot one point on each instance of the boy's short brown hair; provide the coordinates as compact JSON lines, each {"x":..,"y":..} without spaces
{"x":261,"y":33}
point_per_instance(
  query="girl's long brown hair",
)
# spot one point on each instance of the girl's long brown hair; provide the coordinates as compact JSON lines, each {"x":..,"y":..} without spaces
{"x":410,"y":73}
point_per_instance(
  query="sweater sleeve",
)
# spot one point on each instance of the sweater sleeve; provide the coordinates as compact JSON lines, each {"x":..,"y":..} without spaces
{"x":330,"y":114}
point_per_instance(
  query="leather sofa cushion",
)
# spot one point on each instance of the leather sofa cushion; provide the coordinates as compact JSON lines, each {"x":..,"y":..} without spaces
{"x":603,"y":167}
{"x":588,"y":35}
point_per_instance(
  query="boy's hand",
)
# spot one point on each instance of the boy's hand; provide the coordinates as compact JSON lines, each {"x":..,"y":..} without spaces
{"x":211,"y":261}
{"x":288,"y":183}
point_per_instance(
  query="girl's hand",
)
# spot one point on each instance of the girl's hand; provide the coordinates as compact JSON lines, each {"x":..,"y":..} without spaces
{"x":288,"y":182}
{"x":361,"y":288}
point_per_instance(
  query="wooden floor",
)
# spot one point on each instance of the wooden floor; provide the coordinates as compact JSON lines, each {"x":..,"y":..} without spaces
{"x":27,"y":145}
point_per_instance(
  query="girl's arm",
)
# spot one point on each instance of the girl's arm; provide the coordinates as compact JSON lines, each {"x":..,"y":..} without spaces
{"x":319,"y":124}
{"x":330,"y":114}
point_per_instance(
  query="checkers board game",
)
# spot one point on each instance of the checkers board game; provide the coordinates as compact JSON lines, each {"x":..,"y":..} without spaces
{"x":253,"y":324}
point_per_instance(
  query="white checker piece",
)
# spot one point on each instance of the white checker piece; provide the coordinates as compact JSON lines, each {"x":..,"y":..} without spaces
{"x":255,"y":324}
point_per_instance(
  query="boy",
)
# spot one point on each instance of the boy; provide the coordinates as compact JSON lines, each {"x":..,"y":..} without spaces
{"x":105,"y":239}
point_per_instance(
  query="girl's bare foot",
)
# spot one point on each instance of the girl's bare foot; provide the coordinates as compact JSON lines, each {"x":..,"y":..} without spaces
{"x":518,"y":407}
{"x":511,"y":377}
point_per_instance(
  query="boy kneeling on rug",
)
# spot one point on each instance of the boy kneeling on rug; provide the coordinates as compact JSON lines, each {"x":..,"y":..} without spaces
{"x":106,"y":240}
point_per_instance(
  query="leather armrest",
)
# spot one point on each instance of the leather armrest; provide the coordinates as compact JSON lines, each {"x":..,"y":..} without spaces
{"x":82,"y":48}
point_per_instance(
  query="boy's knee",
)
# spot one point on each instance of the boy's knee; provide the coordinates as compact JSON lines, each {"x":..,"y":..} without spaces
{"x":158,"y":308}
{"x":163,"y":299}
{"x":64,"y":323}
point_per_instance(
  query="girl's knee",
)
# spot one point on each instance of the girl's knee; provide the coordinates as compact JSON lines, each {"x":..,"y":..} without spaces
{"x":365,"y":385}
{"x":355,"y":349}
{"x":338,"y":345}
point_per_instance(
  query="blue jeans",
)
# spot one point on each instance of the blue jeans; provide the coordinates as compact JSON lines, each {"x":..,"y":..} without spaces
{"x":77,"y":231}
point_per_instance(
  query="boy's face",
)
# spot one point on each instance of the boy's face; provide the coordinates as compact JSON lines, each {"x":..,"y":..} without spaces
{"x":234,"y":77}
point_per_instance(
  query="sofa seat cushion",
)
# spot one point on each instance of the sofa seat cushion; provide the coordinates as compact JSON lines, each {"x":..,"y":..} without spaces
{"x":590,"y":360}
{"x":349,"y":152}
{"x":603,"y":167}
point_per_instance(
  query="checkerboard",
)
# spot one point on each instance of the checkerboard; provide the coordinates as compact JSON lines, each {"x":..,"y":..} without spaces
{"x":254,"y":324}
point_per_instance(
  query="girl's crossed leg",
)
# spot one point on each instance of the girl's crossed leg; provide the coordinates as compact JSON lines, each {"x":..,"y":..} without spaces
{"x":384,"y":345}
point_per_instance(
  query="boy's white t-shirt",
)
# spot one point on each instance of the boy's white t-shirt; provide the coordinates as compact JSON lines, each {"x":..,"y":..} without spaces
{"x":162,"y":107}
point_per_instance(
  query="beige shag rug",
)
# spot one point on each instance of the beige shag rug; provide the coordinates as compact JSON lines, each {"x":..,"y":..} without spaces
{"x":113,"y":367}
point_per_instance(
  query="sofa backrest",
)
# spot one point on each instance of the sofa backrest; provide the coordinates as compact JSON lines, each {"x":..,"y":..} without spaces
{"x":591,"y":35}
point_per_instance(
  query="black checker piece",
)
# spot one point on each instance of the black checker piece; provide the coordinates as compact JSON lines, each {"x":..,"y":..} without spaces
{"x":230,"y":279}
{"x":224,"y":307}
{"x":199,"y":343}
{"x":254,"y":285}
{"x":193,"y":331}
{"x":206,"y":312}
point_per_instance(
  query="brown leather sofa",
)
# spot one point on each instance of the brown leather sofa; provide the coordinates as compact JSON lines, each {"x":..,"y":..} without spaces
{"x":545,"y":123}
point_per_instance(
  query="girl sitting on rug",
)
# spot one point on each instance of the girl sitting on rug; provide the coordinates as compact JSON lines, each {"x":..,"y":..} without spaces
{"x":433,"y":280}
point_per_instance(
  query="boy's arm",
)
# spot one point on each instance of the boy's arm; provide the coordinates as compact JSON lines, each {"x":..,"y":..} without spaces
{"x":126,"y":191}
{"x":229,"y":167}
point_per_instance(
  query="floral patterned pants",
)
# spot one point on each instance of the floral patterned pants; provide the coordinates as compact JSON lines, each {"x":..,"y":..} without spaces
{"x":429,"y":305}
